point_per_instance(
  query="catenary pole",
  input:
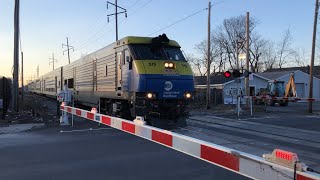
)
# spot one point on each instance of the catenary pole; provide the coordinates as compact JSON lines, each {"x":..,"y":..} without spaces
{"x":312,"y":55}
{"x":68,"y":49}
{"x":116,"y":14}
{"x":52,"y":60}
{"x":116,"y":6}
{"x":208,"y":58}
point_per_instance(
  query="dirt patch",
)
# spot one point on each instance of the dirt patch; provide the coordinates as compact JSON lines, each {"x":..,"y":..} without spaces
{"x":34,"y":109}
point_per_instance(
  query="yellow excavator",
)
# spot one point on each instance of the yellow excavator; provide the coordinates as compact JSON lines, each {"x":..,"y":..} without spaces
{"x":277,"y":89}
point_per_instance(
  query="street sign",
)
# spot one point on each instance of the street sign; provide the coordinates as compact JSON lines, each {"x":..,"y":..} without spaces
{"x":251,"y":77}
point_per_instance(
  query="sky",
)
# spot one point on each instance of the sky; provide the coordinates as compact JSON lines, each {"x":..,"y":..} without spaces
{"x":45,"y":24}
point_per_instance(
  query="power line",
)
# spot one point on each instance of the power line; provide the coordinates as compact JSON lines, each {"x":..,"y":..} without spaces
{"x":103,"y":28}
{"x":184,"y":18}
{"x":97,"y":36}
{"x":93,"y":27}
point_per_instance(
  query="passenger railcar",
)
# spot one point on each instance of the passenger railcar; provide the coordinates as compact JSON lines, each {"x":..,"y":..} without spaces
{"x":135,"y":76}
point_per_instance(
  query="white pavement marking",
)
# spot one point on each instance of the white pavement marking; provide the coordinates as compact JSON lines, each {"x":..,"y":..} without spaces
{"x":81,"y":130}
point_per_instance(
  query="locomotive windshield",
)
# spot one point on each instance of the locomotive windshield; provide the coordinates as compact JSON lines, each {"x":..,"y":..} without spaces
{"x":147,"y":52}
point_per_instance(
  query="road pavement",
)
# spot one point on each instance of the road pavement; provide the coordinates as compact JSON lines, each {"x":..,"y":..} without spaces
{"x":104,"y":153}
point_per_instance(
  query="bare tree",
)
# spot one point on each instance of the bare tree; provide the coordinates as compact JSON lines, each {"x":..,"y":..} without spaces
{"x":202,"y":50}
{"x":197,"y":64}
{"x":269,"y":56}
{"x":230,"y":33}
{"x":284,"y":50}
{"x":257,"y":46}
{"x":300,"y":57}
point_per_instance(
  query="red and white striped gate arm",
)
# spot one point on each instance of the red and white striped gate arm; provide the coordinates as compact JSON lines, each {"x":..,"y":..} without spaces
{"x":283,"y":98}
{"x":245,"y":164}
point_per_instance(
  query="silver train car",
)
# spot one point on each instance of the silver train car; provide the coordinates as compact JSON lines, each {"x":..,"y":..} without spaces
{"x":135,"y":76}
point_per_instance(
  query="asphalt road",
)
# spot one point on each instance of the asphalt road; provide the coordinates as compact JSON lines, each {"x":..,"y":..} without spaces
{"x":99,"y":154}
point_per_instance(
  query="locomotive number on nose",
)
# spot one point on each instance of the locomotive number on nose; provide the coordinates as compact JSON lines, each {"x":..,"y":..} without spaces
{"x":184,"y":65}
{"x":152,"y":64}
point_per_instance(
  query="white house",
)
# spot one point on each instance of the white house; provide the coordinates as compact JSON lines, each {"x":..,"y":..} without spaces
{"x":260,"y":80}
{"x":255,"y":83}
{"x":301,"y":80}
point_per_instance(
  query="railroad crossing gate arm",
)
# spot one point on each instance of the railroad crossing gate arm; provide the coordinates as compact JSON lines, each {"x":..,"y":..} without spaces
{"x":236,"y":161}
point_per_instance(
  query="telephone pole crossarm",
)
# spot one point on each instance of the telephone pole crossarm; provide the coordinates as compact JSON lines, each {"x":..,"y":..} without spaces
{"x":68,"y":49}
{"x":52,"y":61}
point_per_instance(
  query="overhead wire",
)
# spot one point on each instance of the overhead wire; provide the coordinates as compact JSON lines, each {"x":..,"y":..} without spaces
{"x":98,"y":38}
{"x":92,"y":38}
{"x":187,"y":17}
{"x":95,"y":26}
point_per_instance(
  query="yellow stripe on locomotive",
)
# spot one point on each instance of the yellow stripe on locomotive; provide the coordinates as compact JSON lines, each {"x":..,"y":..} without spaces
{"x":158,"y":67}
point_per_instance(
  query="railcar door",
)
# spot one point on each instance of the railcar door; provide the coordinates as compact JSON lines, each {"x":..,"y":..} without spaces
{"x":119,"y":71}
{"x":126,"y":70}
{"x":56,"y":84}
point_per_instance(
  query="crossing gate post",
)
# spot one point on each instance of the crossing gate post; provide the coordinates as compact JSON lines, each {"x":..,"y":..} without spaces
{"x":64,"y":96}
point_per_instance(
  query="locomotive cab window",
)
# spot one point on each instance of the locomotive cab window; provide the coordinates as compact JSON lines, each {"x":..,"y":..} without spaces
{"x":145,"y":52}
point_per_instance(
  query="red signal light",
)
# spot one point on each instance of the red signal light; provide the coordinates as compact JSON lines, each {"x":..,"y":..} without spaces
{"x":227,"y":74}
{"x":284,"y":154}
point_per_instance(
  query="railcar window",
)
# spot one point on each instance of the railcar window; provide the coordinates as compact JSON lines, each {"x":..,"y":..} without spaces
{"x":70,"y":83}
{"x":145,"y":52}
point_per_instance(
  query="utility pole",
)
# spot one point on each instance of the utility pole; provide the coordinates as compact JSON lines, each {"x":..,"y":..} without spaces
{"x":68,"y":49}
{"x":208,"y":58}
{"x":16,"y":57}
{"x":38,"y":72}
{"x":52,"y":60}
{"x":247,"y":59}
{"x":22,"y":79}
{"x":116,"y":14}
{"x":312,"y":55}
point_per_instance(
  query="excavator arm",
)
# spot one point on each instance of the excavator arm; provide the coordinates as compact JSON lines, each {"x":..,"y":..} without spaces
{"x":291,"y":87}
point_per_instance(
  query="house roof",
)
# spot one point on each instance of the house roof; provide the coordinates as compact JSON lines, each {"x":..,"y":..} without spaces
{"x":220,"y":79}
{"x":274,"y":75}
{"x":217,"y":79}
{"x":305,"y":69}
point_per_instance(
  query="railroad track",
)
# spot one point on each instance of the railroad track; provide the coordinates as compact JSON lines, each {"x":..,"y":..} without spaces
{"x":259,"y":131}
{"x":312,"y":156}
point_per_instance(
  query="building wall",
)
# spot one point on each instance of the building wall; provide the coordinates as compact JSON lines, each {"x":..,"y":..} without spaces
{"x":302,"y":84}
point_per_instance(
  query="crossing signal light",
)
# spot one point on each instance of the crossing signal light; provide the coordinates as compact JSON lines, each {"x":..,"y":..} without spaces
{"x":236,"y":73}
{"x":246,"y":73}
{"x":227,"y":74}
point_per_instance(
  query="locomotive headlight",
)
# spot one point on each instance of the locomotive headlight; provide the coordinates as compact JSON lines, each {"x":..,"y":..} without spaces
{"x":169,"y":65}
{"x":188,"y":95}
{"x":151,"y":95}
